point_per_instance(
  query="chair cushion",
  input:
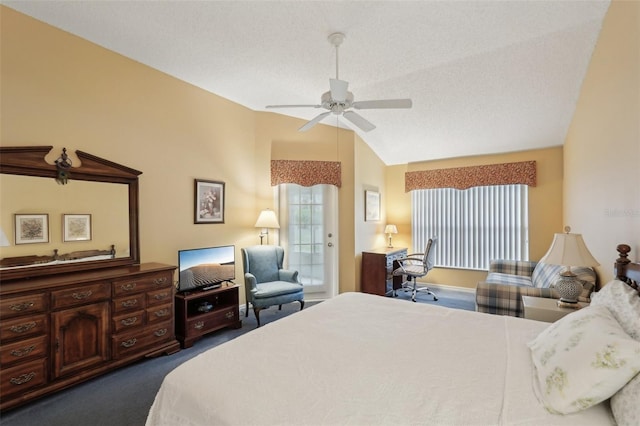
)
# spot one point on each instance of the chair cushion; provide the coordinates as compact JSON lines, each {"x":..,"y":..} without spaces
{"x":509,"y":279}
{"x":275,"y":288}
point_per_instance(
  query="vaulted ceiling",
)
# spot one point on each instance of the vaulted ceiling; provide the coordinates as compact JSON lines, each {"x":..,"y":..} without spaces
{"x":484,"y":76}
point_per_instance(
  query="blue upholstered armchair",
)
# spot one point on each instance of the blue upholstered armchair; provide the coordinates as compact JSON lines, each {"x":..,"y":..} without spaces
{"x":265,"y":282}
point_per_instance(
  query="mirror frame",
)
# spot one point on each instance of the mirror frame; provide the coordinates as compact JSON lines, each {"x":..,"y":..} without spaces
{"x":30,"y":161}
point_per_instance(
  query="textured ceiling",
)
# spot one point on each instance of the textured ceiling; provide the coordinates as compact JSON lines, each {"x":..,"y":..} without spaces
{"x":484,"y":76}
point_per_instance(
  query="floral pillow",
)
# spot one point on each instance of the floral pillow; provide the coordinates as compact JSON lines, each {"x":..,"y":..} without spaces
{"x":625,"y":404}
{"x":582,"y":359}
{"x":624,"y":304}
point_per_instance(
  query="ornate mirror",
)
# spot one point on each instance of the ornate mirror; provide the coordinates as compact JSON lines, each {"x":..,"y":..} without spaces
{"x":83,"y":216}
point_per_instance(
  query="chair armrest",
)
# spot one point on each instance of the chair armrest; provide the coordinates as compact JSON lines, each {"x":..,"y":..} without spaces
{"x":250,"y":282}
{"x":513,"y":267}
{"x":504,"y":299}
{"x":287,"y":275}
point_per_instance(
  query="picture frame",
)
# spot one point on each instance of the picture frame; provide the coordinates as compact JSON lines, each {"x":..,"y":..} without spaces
{"x":31,"y":228}
{"x":209,"y":201}
{"x":76,"y":227}
{"x":371,"y":205}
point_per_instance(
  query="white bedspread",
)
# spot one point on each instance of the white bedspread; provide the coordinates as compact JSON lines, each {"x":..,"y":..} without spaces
{"x":360,"y":359}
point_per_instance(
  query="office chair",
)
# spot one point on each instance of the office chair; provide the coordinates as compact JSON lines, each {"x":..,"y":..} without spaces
{"x":417,"y":265}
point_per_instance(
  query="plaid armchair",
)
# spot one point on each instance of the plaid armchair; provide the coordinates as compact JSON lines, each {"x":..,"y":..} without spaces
{"x":508,"y":280}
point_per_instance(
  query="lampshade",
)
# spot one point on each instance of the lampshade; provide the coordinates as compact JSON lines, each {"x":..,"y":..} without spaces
{"x":267,"y":219}
{"x":4,"y":241}
{"x":569,"y":250}
{"x":390,"y":229}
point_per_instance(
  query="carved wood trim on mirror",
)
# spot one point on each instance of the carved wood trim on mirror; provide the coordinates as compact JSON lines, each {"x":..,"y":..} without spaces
{"x":30,"y":161}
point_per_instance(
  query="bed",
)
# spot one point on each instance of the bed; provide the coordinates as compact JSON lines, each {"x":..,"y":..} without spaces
{"x":361,"y":359}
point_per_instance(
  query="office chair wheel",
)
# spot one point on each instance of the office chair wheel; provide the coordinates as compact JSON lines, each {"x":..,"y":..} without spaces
{"x":435,"y":299}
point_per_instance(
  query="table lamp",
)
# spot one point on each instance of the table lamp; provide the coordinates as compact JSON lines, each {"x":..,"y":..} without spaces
{"x":266,"y":220}
{"x":569,"y":250}
{"x":390,"y":229}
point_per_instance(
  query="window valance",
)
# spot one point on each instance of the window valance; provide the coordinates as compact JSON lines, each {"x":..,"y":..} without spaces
{"x":306,"y":173}
{"x":523,"y":173}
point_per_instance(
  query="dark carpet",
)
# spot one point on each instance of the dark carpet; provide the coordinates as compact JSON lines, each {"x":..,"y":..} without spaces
{"x":124,"y":397}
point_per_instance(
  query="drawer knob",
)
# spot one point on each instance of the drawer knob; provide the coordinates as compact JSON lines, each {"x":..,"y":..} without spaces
{"x":21,"y":328}
{"x":130,"y":303}
{"x":128,"y":286}
{"x":21,"y":306}
{"x":22,"y":352}
{"x":161,"y":332}
{"x":129,"y":321}
{"x":82,"y":295}
{"x":22,"y":379}
{"x":229,"y":315}
{"x":161,"y":313}
{"x":161,"y":296}
{"x":129,"y":343}
{"x":160,"y":281}
{"x":199,"y":325}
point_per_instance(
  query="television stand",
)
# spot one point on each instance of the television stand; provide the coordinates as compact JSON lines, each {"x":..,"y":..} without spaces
{"x":203,"y":312}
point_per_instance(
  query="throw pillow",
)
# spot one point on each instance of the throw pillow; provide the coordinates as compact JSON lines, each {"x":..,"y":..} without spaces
{"x":582,"y":359}
{"x":624,"y":304}
{"x":624,"y":404}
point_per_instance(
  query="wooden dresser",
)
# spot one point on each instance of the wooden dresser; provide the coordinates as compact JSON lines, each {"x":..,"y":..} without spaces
{"x":377,"y":269}
{"x":59,"y":330}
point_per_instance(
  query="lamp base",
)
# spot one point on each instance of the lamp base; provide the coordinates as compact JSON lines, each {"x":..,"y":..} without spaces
{"x":389,"y":245}
{"x":569,"y":287}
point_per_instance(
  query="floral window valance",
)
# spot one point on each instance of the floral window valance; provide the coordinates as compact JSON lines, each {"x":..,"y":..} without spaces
{"x":306,"y":173}
{"x":523,"y":173}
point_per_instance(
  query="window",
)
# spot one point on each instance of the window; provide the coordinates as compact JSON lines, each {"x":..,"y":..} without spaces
{"x":473,"y":226}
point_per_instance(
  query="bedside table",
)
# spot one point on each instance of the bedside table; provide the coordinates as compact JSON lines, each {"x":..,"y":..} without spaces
{"x":545,"y":309}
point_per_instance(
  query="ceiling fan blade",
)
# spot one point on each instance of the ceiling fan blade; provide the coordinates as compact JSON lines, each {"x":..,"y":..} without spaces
{"x":383,"y":103}
{"x":293,"y":106}
{"x":314,"y":121}
{"x":338,"y":89}
{"x":359,"y":121}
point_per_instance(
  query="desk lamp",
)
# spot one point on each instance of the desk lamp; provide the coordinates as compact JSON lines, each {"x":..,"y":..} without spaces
{"x":390,"y":229}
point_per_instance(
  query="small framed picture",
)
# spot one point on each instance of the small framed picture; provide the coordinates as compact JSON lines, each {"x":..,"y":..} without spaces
{"x":76,"y":227}
{"x":32,"y":228}
{"x":209,"y":201}
{"x":371,"y":205}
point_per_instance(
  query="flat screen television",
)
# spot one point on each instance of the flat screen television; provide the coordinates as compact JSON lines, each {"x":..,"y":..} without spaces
{"x":205,"y":268}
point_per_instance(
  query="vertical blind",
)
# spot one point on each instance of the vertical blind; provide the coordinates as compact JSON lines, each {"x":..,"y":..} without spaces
{"x":473,"y":226}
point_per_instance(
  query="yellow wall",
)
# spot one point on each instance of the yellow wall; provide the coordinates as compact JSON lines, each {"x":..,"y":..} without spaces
{"x":602,"y":149}
{"x":545,"y":205}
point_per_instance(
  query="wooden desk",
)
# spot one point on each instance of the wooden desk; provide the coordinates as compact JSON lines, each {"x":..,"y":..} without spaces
{"x":377,"y":267}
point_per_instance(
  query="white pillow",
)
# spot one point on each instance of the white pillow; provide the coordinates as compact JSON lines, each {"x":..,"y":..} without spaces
{"x":625,"y":404}
{"x":582,"y":359}
{"x":624,"y":304}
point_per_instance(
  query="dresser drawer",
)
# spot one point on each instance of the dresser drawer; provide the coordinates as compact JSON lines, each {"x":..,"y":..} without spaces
{"x":159,"y":313}
{"x":21,"y":378}
{"x":211,"y":321}
{"x":142,"y":283}
{"x":23,"y":350}
{"x":23,"y":327}
{"x":160,"y":297}
{"x":126,"y":344}
{"x":128,"y":321}
{"x":13,"y":306}
{"x":80,"y":295}
{"x":129,"y":303}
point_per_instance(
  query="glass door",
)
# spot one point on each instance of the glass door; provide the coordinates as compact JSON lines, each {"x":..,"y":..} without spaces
{"x":308,"y":233}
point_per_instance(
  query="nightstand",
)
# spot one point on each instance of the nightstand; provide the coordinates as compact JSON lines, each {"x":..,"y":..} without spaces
{"x":545,"y":309}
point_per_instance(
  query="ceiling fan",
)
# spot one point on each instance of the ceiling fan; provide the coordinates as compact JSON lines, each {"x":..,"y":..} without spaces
{"x":339,"y":101}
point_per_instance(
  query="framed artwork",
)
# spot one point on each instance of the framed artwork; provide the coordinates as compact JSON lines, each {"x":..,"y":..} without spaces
{"x":371,"y":205}
{"x":209,"y":201}
{"x":76,"y":227}
{"x":32,"y":228}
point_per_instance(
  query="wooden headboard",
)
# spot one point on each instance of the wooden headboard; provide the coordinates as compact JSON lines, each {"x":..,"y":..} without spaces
{"x":626,"y":270}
